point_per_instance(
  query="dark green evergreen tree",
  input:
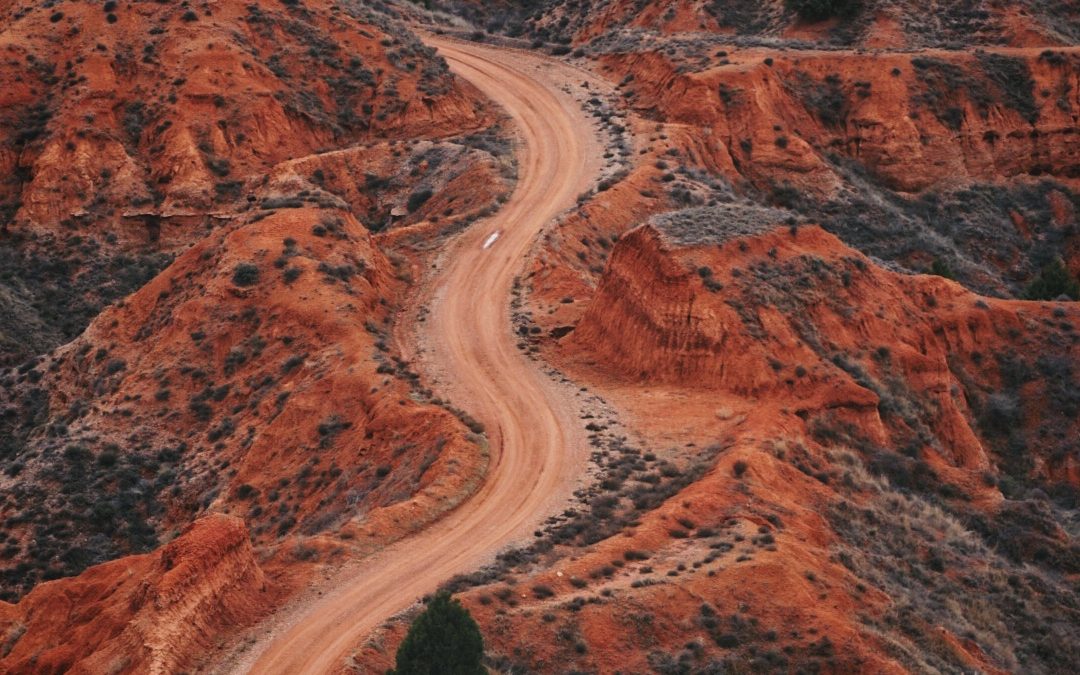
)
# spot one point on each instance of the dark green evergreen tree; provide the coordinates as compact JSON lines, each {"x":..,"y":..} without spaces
{"x":443,"y":640}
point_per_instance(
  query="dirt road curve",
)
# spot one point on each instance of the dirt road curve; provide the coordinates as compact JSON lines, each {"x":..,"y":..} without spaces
{"x":537,"y":453}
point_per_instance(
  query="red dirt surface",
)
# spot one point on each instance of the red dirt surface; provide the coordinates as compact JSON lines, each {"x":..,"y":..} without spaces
{"x":536,"y":450}
{"x":804,"y":453}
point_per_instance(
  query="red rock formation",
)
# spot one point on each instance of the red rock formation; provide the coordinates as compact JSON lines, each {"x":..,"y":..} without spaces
{"x":153,"y":613}
{"x":251,"y":376}
{"x":795,"y":315}
{"x":913,"y":120}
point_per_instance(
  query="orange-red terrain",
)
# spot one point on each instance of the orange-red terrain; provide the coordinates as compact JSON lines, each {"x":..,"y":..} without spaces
{"x":810,"y":320}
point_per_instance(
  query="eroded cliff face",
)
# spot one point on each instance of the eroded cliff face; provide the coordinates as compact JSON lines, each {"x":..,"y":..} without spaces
{"x":961,"y":160}
{"x":911,"y":120}
{"x":794,"y":314}
{"x":153,"y":613}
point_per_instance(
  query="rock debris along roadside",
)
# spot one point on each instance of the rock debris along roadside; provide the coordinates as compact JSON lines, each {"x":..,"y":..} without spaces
{"x":537,"y":454}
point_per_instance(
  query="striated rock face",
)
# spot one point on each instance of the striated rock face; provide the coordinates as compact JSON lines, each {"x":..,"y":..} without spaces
{"x":964,"y":159}
{"x":793,"y":313}
{"x":912,"y":120}
{"x":152,"y":613}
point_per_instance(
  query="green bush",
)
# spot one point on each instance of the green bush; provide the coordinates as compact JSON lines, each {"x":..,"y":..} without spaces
{"x":940,"y":267}
{"x":443,"y":640}
{"x":245,"y":274}
{"x":418,"y":199}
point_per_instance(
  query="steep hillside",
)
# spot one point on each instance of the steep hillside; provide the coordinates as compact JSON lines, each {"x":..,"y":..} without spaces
{"x":936,"y":358}
{"x":126,"y":127}
{"x":944,"y":141}
{"x":266,"y":182}
{"x":254,"y":375}
{"x":870,"y":23}
{"x":817,"y":315}
{"x":151,"y":613}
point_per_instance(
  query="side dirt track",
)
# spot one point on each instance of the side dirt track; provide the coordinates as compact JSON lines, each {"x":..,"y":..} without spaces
{"x":537,"y":454}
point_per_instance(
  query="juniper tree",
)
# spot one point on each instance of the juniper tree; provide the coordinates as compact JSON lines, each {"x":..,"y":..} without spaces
{"x":443,"y":640}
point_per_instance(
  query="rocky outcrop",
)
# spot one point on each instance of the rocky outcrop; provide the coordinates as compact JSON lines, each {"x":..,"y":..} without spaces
{"x":152,"y":613}
{"x":913,"y":120}
{"x":793,"y":314}
{"x":818,"y":450}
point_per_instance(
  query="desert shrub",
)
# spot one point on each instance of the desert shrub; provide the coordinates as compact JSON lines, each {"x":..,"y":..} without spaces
{"x":940,"y":267}
{"x":825,"y":99}
{"x":134,"y":120}
{"x":292,"y":363}
{"x":418,"y":199}
{"x":1013,"y":78}
{"x":1054,"y":280}
{"x":1001,"y":414}
{"x":245,"y":274}
{"x":330,"y":428}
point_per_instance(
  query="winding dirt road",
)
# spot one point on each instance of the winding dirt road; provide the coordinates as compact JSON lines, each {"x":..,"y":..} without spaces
{"x":537,"y":451}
